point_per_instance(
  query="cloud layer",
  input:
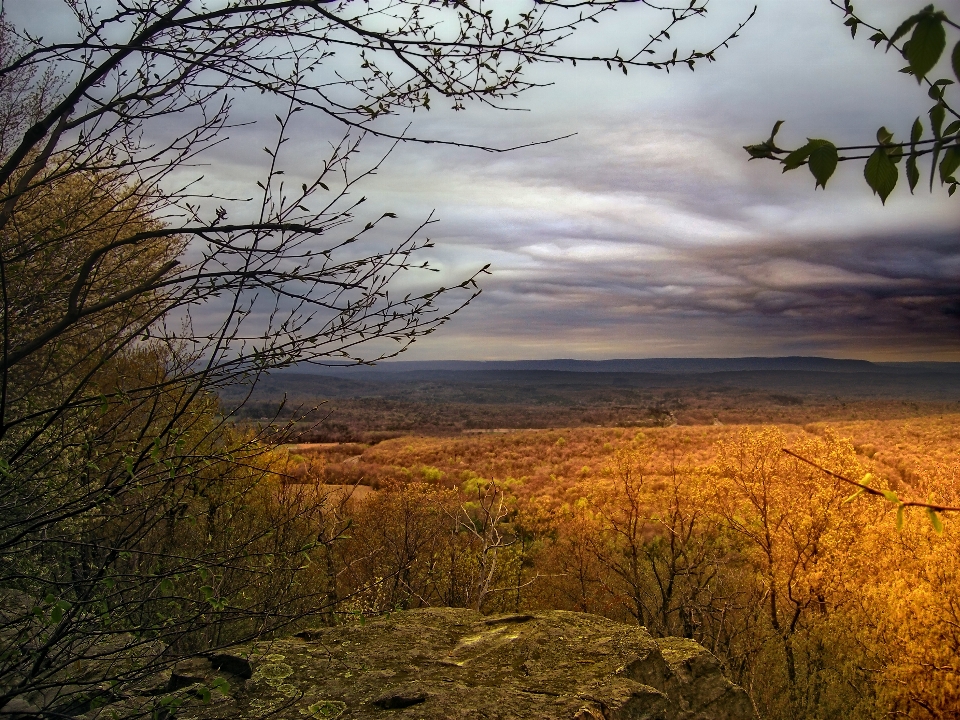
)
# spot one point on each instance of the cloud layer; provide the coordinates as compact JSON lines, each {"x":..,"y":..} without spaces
{"x":648,"y":233}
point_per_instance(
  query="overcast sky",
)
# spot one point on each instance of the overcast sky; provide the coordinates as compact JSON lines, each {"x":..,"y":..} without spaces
{"x":648,"y":234}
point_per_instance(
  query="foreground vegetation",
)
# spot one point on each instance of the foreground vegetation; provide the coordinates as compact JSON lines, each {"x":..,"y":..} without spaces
{"x":819,"y":606}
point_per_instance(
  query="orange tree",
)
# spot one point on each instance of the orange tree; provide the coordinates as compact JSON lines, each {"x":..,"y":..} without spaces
{"x":907,"y":602}
{"x":796,"y":534}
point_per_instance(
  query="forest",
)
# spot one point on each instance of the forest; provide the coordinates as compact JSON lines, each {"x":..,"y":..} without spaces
{"x":820,"y":602}
{"x":173,"y":485}
{"x":345,"y":404}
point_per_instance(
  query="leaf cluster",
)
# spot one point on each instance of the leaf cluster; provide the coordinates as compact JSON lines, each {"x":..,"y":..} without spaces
{"x":922,"y":51}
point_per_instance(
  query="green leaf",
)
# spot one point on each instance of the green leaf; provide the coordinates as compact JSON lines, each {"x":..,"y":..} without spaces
{"x":913,"y":173}
{"x":935,"y":92}
{"x":955,"y":60}
{"x":823,"y":161}
{"x":221,"y":684}
{"x":900,"y":517}
{"x":951,"y":128}
{"x":949,"y":164}
{"x":59,"y":608}
{"x":936,"y":159}
{"x":853,"y":497}
{"x":207,"y":592}
{"x":797,"y":158}
{"x":890,"y":495}
{"x":903,"y":29}
{"x":880,"y":174}
{"x":203,"y":693}
{"x":935,"y":520}
{"x":763,"y":150}
{"x":884,"y":136}
{"x":166,"y":585}
{"x":916,"y":132}
{"x":852,"y":23}
{"x":776,"y":128}
{"x":926,"y":45}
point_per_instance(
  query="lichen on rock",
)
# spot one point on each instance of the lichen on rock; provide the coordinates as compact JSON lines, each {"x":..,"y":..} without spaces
{"x":439,"y":664}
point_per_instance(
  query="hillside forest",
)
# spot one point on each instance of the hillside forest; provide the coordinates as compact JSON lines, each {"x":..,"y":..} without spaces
{"x":154,"y":507}
{"x":819,"y":605}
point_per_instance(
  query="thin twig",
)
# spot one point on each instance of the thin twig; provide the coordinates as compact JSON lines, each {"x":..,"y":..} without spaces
{"x":873,"y":491}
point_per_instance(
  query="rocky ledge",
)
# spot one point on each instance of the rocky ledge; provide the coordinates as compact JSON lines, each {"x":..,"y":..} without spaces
{"x":439,"y":664}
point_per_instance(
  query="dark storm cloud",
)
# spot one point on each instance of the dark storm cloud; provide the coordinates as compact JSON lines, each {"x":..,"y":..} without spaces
{"x":648,"y":233}
{"x":898,"y":288}
{"x":876,"y":296}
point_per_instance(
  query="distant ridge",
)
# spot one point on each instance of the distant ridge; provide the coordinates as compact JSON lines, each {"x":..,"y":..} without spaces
{"x":456,"y":395}
{"x":670,"y":366}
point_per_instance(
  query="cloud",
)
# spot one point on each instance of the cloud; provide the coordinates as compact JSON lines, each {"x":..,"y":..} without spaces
{"x":648,"y":233}
{"x":880,"y":297}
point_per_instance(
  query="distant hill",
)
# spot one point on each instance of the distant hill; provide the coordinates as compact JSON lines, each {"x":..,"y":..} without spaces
{"x":516,"y":385}
{"x":668,"y":366}
{"x":458,"y":396}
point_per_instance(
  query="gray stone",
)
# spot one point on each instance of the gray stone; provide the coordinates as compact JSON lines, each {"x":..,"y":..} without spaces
{"x":18,"y":708}
{"x":454,"y":664}
{"x":189,"y":672}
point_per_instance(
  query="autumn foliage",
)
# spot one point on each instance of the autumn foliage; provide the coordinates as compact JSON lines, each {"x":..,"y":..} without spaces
{"x":817,"y":604}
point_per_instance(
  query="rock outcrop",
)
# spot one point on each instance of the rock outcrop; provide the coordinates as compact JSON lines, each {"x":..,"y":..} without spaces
{"x":440,"y":664}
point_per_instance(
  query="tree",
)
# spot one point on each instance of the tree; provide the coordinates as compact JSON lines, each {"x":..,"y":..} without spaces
{"x":795,"y":537}
{"x":922,"y":52}
{"x":138,"y":525}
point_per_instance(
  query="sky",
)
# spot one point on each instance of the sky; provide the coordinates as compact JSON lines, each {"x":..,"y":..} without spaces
{"x":647,"y":233}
